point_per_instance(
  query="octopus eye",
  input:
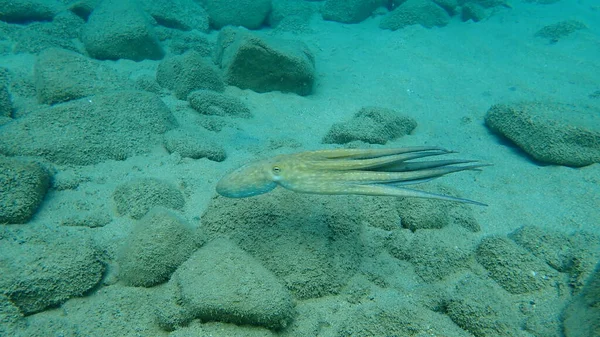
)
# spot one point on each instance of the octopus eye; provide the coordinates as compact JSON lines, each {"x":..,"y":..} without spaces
{"x":276,"y":170}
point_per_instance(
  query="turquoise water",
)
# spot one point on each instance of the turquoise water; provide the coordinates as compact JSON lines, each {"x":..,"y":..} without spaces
{"x":411,"y":168}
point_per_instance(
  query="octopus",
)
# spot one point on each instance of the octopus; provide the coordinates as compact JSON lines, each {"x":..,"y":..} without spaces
{"x":373,"y":172}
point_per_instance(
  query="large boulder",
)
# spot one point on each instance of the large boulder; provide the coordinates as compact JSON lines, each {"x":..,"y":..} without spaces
{"x":5,"y":97}
{"x":62,"y":32}
{"x":24,"y":11}
{"x":119,"y":29}
{"x":265,"y":64}
{"x":552,"y":133}
{"x":584,"y":308}
{"x":43,"y":268}
{"x":23,"y":186}
{"x":213,"y":103}
{"x":349,"y":11}
{"x":61,"y":75}
{"x":137,"y":197}
{"x":188,"y":72}
{"x":158,"y":244}
{"x":574,"y":254}
{"x":90,"y":130}
{"x":415,"y":12}
{"x":434,"y":253}
{"x":221,"y":282}
{"x":513,"y":268}
{"x":374,"y":125}
{"x":312,"y":242}
{"x":246,"y":13}
{"x":178,"y":14}
{"x":481,"y":308}
{"x":194,"y":143}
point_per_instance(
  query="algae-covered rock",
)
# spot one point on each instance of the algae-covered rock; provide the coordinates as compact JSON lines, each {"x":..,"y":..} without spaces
{"x":213,"y":103}
{"x":575,"y":254}
{"x":119,"y":29}
{"x":178,"y":14}
{"x":221,"y":282}
{"x":481,"y":308}
{"x":513,"y":268}
{"x":374,"y":125}
{"x":188,"y":72}
{"x":158,"y":244}
{"x":557,"y":31}
{"x":193,"y":143}
{"x":23,"y":186}
{"x":265,"y":64}
{"x":582,"y":317}
{"x":415,"y":12}
{"x":24,"y":11}
{"x":90,"y":130}
{"x":5,"y":97}
{"x":135,"y":198}
{"x":61,"y":75}
{"x":311,"y":242}
{"x":349,"y":11}
{"x":437,"y":254}
{"x":245,"y":13}
{"x":418,"y":214}
{"x":45,"y":268}
{"x":552,"y":133}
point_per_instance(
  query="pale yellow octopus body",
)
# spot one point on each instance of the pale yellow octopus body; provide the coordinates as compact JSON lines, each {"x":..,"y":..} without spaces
{"x":377,"y":172}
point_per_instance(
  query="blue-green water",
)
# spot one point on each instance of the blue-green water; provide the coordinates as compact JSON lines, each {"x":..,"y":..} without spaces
{"x":118,"y":119}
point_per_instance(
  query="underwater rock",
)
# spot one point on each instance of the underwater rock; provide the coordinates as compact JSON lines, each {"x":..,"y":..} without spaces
{"x":285,"y":10}
{"x":34,"y":38}
{"x":61,"y":75}
{"x":473,"y":11}
{"x":10,"y":316}
{"x":216,"y":104}
{"x":379,"y":312}
{"x":182,"y":42}
{"x":221,"y":282}
{"x":556,"y":31}
{"x":265,"y":64}
{"x":24,"y":11}
{"x":491,"y":3}
{"x":312,"y":242}
{"x":91,"y":129}
{"x":412,"y":12}
{"x":23,"y":186}
{"x":245,"y":13}
{"x":177,"y":14}
{"x":135,"y":198}
{"x":6,"y":107}
{"x":349,"y":11}
{"x":437,"y":254}
{"x":574,"y":254}
{"x":188,"y":72}
{"x":119,"y":29}
{"x":552,"y":133}
{"x":46,"y":267}
{"x":374,"y":125}
{"x":195,"y":144}
{"x":418,"y":214}
{"x":512,"y":267}
{"x":479,"y":307}
{"x":449,"y":6}
{"x":115,"y":310}
{"x":582,"y":317}
{"x":159,"y":243}
{"x":219,"y":329}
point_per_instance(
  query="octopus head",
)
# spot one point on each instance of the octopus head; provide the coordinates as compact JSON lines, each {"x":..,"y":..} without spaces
{"x":249,"y":180}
